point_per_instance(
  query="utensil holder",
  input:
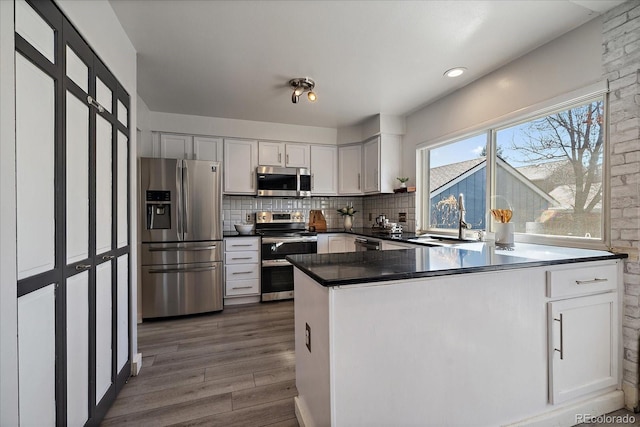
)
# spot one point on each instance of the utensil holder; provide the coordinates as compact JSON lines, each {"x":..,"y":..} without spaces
{"x":504,"y":234}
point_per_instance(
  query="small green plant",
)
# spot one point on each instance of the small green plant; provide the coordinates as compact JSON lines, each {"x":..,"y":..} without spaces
{"x":403,"y":180}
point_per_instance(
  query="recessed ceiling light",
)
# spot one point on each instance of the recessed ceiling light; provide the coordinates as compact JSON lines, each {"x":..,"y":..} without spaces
{"x":455,"y":72}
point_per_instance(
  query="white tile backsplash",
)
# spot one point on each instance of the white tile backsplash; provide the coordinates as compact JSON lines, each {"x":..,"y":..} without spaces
{"x":236,"y":208}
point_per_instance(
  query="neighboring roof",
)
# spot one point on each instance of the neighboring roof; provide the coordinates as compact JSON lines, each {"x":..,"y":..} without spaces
{"x":565,"y":195}
{"x":442,"y":175}
{"x":543,"y":171}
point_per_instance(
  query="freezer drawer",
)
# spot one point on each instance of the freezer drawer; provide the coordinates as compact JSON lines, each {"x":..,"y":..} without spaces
{"x":182,"y":253}
{"x":174,"y":290}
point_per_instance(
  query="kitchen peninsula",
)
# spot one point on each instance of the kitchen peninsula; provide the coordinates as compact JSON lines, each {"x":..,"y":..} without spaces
{"x":465,"y":335}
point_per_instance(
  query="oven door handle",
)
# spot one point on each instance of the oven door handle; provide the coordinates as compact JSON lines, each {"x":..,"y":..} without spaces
{"x":275,"y":263}
{"x":310,"y":239}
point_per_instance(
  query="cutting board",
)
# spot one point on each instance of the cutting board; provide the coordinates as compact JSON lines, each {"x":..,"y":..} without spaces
{"x":316,"y":219}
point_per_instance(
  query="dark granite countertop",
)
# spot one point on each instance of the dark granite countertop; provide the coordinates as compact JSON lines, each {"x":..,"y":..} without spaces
{"x":377,"y":266}
{"x":236,"y":234}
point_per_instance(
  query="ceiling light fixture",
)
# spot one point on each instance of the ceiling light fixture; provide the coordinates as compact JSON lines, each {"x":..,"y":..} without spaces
{"x":455,"y":72}
{"x":300,"y":86}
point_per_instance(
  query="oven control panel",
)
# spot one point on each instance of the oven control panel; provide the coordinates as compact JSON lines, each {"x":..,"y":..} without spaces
{"x":279,"y":217}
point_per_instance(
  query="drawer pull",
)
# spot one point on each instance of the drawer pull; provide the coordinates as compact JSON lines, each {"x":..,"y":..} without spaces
{"x":242,"y":287}
{"x":242,"y":246}
{"x":561,"y":350}
{"x":242,"y":272}
{"x":83,"y":267}
{"x":108,"y":257}
{"x":588,"y":282}
{"x":246,"y":257}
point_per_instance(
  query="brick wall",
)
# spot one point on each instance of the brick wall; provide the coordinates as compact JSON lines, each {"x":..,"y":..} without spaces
{"x":621,"y":66}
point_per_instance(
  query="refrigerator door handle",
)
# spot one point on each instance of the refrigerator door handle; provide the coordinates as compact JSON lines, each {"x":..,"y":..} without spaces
{"x":180,"y":248}
{"x":185,"y":198}
{"x":182,"y":270}
{"x":179,"y":197}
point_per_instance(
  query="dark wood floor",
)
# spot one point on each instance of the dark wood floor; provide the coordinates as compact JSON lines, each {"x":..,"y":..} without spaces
{"x":234,"y":368}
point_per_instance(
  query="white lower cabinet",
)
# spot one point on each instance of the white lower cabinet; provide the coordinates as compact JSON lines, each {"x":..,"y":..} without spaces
{"x":242,"y":267}
{"x":583,"y":345}
{"x":336,"y":243}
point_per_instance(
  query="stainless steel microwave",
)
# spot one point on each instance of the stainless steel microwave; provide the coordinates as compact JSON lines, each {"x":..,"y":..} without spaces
{"x":283,"y":182}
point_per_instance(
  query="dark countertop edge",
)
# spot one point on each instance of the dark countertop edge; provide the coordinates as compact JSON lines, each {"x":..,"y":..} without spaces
{"x":236,"y":234}
{"x":369,"y":232}
{"x":450,"y":272}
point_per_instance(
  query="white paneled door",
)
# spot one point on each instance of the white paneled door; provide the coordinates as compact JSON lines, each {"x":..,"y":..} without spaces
{"x":72,"y":174}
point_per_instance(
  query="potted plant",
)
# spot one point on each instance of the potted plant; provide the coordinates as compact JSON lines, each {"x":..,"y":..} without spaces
{"x":403,"y":182}
{"x":347,"y":213}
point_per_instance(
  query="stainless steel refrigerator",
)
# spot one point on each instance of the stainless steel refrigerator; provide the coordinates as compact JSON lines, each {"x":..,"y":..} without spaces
{"x":182,"y":250}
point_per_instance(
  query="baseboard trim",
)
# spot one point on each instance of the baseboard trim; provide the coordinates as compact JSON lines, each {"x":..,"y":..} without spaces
{"x":567,"y":415}
{"x":300,"y":412}
{"x":136,"y":364}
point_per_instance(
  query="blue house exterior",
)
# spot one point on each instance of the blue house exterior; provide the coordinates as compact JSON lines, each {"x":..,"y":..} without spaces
{"x":514,"y":191}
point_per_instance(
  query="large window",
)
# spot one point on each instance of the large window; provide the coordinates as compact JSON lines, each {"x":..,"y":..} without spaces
{"x":547,"y":170}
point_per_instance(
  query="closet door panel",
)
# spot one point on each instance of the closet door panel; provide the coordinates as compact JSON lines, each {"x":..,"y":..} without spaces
{"x":35,"y":30}
{"x":122,"y":193}
{"x":123,"y":310}
{"x":103,"y":329}
{"x":104,"y":95}
{"x":103,"y":185}
{"x":37,"y":357}
{"x":77,"y":179}
{"x":77,"y":70}
{"x":78,"y":349}
{"x":35,"y":167}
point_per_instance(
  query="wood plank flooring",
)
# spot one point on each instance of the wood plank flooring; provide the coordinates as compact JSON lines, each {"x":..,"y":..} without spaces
{"x":234,"y":368}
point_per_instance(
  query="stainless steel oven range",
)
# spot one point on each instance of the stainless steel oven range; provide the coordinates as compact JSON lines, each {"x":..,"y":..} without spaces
{"x":283,"y":233}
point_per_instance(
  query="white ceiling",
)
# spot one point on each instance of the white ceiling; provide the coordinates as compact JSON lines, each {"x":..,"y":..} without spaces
{"x":233,"y":59}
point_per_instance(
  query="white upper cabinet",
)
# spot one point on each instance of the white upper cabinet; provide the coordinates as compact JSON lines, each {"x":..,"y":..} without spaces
{"x":283,"y":154}
{"x":240,"y":162}
{"x":350,"y":169}
{"x":382,"y":163}
{"x":207,"y":148}
{"x":324,"y":170}
{"x":297,"y":156}
{"x":177,"y":146}
{"x":270,"y":153}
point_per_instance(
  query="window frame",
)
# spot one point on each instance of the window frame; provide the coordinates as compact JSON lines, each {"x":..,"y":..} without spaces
{"x":596,"y":92}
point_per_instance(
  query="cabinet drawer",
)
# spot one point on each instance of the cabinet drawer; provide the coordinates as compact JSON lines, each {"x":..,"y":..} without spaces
{"x":241,"y":244}
{"x":579,"y":280}
{"x":242,"y":271}
{"x":242,"y":287}
{"x":241,"y":257}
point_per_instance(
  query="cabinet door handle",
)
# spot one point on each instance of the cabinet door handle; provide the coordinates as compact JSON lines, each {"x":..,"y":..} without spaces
{"x":587,"y":282}
{"x":242,"y":272}
{"x":83,"y":267}
{"x":246,"y":257}
{"x":242,"y":287}
{"x":108,"y":257}
{"x":313,"y":182}
{"x":237,"y":246}
{"x":287,"y":159}
{"x":279,"y":157}
{"x":358,"y":181}
{"x":561,"y":350}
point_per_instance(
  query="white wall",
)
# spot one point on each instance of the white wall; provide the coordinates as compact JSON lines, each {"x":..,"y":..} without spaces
{"x":561,"y":66}
{"x":198,"y":125}
{"x":8,"y":288}
{"x":143,"y":124}
{"x":97,"y":23}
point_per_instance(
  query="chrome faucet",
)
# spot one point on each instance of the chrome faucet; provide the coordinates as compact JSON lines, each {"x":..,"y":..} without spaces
{"x":462,"y":223}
